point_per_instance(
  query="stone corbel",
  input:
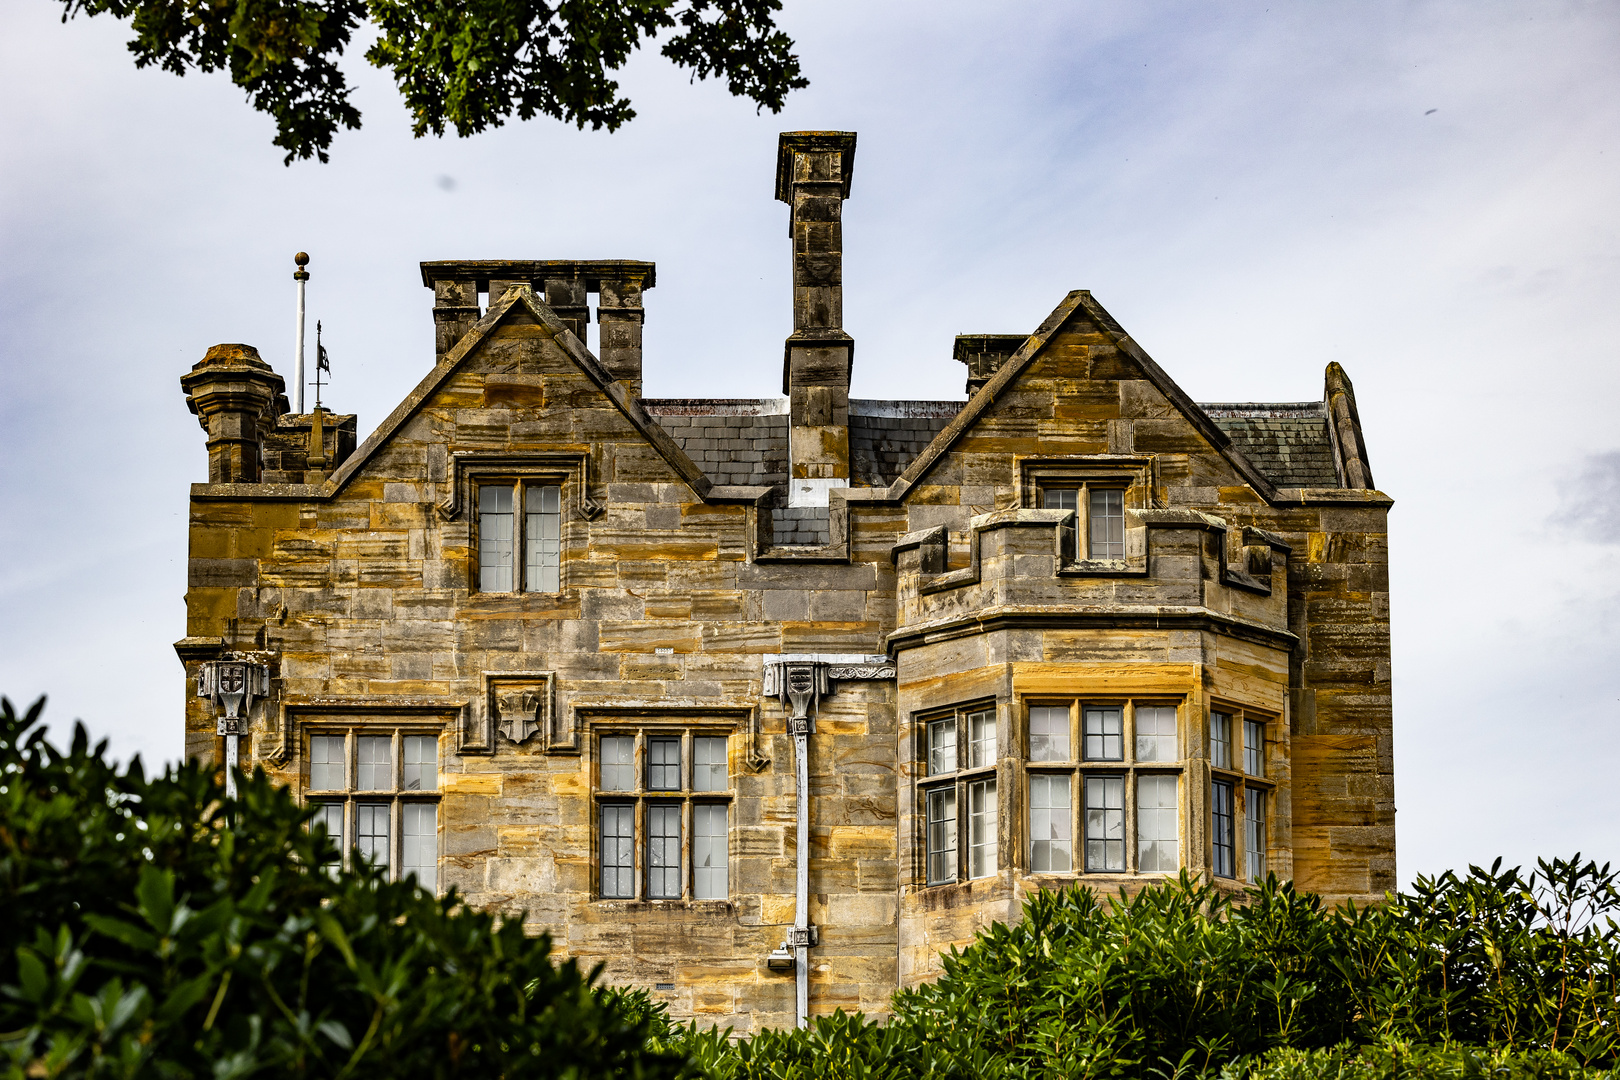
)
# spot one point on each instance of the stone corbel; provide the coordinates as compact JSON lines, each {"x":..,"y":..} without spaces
{"x":468,"y":465}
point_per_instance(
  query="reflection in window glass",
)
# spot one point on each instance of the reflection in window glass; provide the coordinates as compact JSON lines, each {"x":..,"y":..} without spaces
{"x":709,"y":852}
{"x":371,"y":832}
{"x":618,"y":763}
{"x":618,"y":851}
{"x":981,"y":739}
{"x":329,"y":816}
{"x":1107,"y":515}
{"x":664,"y":764}
{"x":1156,"y":733}
{"x":1050,"y":847}
{"x":1105,"y":733}
{"x":421,"y":763}
{"x":326,"y":763}
{"x":1254,"y":835}
{"x":542,"y":538}
{"x":709,"y":763}
{"x":981,"y":828}
{"x":1157,"y":848}
{"x":376,"y":763}
{"x":495,"y":539}
{"x":664,"y":851}
{"x":1254,"y":748}
{"x":421,"y":844}
{"x":1105,"y":823}
{"x":942,"y":835}
{"x":1220,"y":799}
{"x":942,"y":746}
{"x":1049,"y":733}
{"x":1220,"y":740}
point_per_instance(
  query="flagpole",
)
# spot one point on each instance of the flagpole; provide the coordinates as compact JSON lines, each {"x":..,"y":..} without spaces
{"x":301,"y":276}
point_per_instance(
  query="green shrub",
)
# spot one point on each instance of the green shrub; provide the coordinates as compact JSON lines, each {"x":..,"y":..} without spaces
{"x":153,"y":929}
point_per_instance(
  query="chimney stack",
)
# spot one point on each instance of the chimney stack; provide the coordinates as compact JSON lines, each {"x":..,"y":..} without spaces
{"x":984,"y":354}
{"x":236,"y":397}
{"x":813,"y":170}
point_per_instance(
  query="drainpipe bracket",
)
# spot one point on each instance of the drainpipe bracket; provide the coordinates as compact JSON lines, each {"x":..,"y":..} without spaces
{"x":803,"y":937}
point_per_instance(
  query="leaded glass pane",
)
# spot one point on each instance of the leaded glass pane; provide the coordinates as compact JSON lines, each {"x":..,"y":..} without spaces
{"x":664,"y":764}
{"x":1254,"y":748}
{"x":371,"y":832}
{"x":1049,"y":733}
{"x":618,"y":852}
{"x":326,"y":763}
{"x":1156,"y":733}
{"x":709,"y":854}
{"x":1220,"y":740}
{"x":1105,"y":733}
{"x":664,"y":851}
{"x":1105,"y":823}
{"x":1254,"y":833}
{"x":618,"y":765}
{"x":941,"y":835}
{"x":981,"y":828}
{"x":942,"y":746}
{"x":542,"y":538}
{"x":1060,"y":499}
{"x":1157,"y":842}
{"x":1107,"y":513}
{"x":1050,"y":846}
{"x":421,"y":763}
{"x":709,"y":763}
{"x":1220,"y":798}
{"x":375,"y":767}
{"x":982,"y":739}
{"x":420,"y":841}
{"x":495,"y":539}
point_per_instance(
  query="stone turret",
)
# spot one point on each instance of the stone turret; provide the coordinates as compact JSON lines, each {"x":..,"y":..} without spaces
{"x":813,"y":171}
{"x":236,"y":398}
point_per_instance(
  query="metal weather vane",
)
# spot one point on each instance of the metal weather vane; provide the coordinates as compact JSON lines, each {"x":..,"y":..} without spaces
{"x":322,"y":363}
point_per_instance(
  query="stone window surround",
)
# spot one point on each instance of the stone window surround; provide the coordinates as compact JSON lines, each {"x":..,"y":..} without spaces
{"x":395,"y":795}
{"x":1133,"y":474}
{"x":958,"y":779}
{"x":641,"y":729}
{"x":1245,"y":785}
{"x":521,"y":485}
{"x":1078,"y":769}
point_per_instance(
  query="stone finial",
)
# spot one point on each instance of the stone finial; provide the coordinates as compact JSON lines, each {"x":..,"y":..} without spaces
{"x":236,"y":398}
{"x":813,"y":173}
{"x":1349,"y":448}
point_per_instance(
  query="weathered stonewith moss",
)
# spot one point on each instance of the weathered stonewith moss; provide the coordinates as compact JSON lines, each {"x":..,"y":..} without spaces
{"x":680,"y":596}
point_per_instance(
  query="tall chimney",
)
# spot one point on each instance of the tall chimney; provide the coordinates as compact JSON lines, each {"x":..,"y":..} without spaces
{"x":813,"y":170}
{"x":620,"y":315}
{"x":236,"y":397}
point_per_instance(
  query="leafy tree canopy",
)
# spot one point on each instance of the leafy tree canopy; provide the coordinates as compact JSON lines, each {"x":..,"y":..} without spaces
{"x":466,"y":64}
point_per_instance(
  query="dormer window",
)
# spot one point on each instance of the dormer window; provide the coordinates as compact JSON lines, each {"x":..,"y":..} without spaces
{"x":519,"y":560}
{"x":1100,"y":528}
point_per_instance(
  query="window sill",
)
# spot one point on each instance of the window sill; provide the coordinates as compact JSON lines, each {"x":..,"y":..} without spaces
{"x":672,"y":907}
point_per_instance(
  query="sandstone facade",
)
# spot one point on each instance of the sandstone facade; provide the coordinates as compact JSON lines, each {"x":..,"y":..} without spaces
{"x":552,"y":644}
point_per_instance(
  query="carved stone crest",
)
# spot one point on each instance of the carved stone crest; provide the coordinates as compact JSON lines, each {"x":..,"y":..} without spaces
{"x":519,"y":712}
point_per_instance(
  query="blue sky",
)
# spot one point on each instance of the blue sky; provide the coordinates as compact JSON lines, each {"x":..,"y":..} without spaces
{"x":1424,"y":192}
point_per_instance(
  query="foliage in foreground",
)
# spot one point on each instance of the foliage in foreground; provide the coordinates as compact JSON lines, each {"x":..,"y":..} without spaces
{"x":469,"y":64}
{"x":146,"y":934}
{"x":1494,"y":973}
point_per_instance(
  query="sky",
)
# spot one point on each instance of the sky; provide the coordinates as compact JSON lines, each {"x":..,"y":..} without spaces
{"x":1425,"y":192}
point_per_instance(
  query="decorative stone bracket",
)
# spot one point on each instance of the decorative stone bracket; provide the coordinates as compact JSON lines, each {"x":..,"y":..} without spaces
{"x":802,"y":680}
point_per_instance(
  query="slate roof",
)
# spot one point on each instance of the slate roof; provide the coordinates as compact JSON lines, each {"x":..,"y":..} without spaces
{"x":1289,"y":442}
{"x":745,"y":440}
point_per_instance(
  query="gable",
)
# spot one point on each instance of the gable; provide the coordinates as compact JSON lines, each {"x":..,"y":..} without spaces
{"x":1080,"y":385}
{"x":520,"y":377}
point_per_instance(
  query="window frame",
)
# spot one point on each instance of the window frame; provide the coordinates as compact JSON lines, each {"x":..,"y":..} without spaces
{"x":1245,"y":785}
{"x":1084,"y":547}
{"x":643,"y":800}
{"x":963,"y":775}
{"x":350,"y":796}
{"x":1083,"y":770}
{"x":520,"y":486}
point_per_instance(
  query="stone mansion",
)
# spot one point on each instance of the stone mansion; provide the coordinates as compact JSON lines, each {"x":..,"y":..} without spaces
{"x":766,"y":702}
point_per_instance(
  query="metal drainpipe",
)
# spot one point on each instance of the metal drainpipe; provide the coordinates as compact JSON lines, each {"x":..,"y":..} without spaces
{"x":801,"y":895}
